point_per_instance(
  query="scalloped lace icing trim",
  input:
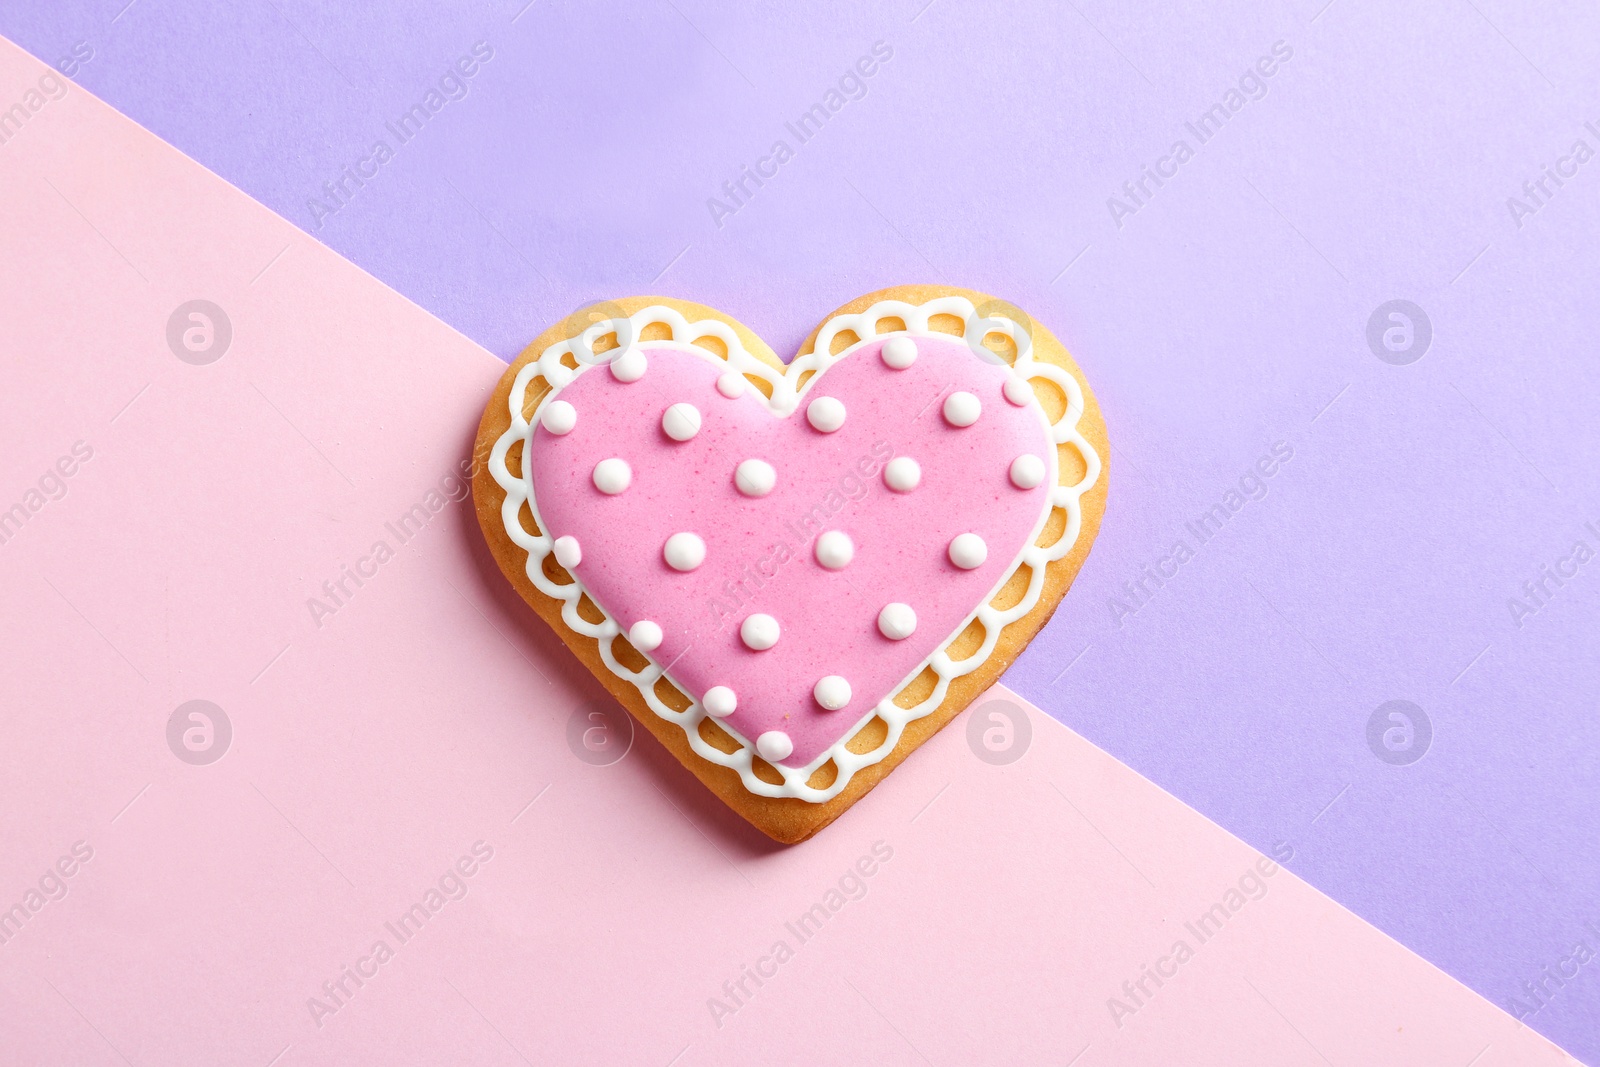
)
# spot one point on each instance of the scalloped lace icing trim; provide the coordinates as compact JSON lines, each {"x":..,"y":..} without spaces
{"x":786,"y":394}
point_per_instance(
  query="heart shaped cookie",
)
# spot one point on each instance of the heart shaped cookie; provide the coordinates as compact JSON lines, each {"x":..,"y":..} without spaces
{"x":793,"y":575}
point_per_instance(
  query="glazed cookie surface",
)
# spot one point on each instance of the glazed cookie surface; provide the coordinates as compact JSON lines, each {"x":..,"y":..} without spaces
{"x":794,"y":575}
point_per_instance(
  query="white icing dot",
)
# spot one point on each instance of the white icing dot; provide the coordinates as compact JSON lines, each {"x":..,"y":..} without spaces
{"x":968,"y":551}
{"x":628,"y":367}
{"x":684,"y":551}
{"x":755,"y":477}
{"x":759,"y":632}
{"x":559,"y":417}
{"x":832,"y":692}
{"x":719,"y":701}
{"x":568,"y":552}
{"x":774,"y":745}
{"x":645,"y":635}
{"x":1018,"y":391}
{"x":681,"y":421}
{"x":825,"y":413}
{"x":902,"y":474}
{"x":1027,"y":471}
{"x":897,"y":621}
{"x":731,"y":385}
{"x":899,"y":352}
{"x":612,"y":476}
{"x":558,"y":375}
{"x":961,"y":409}
{"x":835,"y":550}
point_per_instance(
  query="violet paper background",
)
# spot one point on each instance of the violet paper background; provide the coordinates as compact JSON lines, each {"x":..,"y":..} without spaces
{"x":1226,"y":314}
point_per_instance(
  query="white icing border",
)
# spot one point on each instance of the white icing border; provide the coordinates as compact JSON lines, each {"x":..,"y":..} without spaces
{"x":786,"y":394}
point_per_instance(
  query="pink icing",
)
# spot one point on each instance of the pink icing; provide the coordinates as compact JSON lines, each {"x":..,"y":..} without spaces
{"x":760,"y":550}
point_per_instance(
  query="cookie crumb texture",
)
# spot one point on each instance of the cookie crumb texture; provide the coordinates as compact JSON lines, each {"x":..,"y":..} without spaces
{"x":805,"y":553}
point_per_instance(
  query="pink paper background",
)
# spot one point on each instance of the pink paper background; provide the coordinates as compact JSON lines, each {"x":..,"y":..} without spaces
{"x":431,"y":712}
